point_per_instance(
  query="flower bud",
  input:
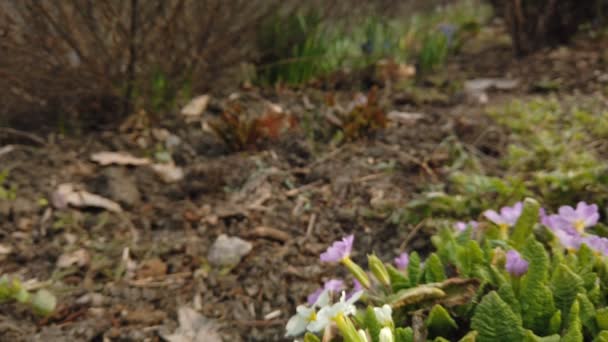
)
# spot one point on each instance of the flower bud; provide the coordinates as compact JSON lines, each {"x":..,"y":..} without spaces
{"x":348,"y":330}
{"x":386,"y":335}
{"x":357,"y":272}
{"x":378,"y":269}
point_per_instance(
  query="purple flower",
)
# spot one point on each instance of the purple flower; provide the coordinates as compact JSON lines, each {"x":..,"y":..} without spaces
{"x":339,"y":250}
{"x":332,"y":286}
{"x":508,"y":215}
{"x":568,"y":240}
{"x":516,"y":265}
{"x":462,"y":226}
{"x":597,"y":244}
{"x":402,"y":261}
{"x":585,"y":215}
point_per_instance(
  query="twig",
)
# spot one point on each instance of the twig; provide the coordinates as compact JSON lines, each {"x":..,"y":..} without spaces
{"x":23,"y":134}
{"x":296,"y":191}
{"x":311,"y":224}
{"x":411,"y":234}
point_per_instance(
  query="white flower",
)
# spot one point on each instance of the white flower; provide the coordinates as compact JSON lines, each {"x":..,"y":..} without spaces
{"x":362,"y":335}
{"x":305,"y":316}
{"x":386,"y":335}
{"x":384,"y":315}
{"x":328,"y":313}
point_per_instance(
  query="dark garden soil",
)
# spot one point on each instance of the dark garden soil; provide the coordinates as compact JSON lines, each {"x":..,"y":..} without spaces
{"x":290,"y":198}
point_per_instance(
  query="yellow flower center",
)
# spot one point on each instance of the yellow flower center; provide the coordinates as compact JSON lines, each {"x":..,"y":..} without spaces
{"x":504,"y":230}
{"x":579,"y":225}
{"x":312,"y":317}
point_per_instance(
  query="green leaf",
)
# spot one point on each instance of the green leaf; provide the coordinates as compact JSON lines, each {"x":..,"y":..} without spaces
{"x":525,"y":224}
{"x":469,"y":337}
{"x":531,"y":337}
{"x":565,"y":285}
{"x":371,"y":323}
{"x":601,"y":337}
{"x":441,"y":339}
{"x":587,"y":314}
{"x":404,"y":335}
{"x":494,"y":321}
{"x":601,"y":318}
{"x":439,"y":322}
{"x":555,"y":323}
{"x":414,"y":295}
{"x":506,"y":293}
{"x":433,"y":269}
{"x":413,"y":269}
{"x":536,"y":299}
{"x":398,"y":280}
{"x":574,"y":331}
{"x":310,"y":337}
{"x":469,"y":257}
{"x":43,"y":302}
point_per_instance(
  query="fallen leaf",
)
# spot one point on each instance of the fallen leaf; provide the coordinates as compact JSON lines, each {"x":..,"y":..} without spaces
{"x":5,"y":250}
{"x":152,"y":268}
{"x":80,"y":258}
{"x":405,"y":118}
{"x":193,"y":327}
{"x":196,"y":107}
{"x":66,"y":194}
{"x":483,"y":84}
{"x":169,"y":173}
{"x":118,"y":158}
{"x":269,"y":233}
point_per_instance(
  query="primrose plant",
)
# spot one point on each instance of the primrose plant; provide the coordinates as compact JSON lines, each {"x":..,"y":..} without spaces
{"x":520,"y":274}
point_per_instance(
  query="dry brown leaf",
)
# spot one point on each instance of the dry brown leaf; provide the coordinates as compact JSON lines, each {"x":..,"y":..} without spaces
{"x":151,"y":268}
{"x":80,"y":258}
{"x":67,"y":194}
{"x":169,"y":173}
{"x":118,"y":158}
{"x":196,"y":107}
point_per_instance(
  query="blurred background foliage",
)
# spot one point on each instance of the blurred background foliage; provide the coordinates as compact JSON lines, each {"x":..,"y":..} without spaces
{"x":104,"y":59}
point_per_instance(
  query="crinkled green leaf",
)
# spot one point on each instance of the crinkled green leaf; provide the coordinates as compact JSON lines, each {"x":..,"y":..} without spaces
{"x":601,"y":318}
{"x":587,"y":314}
{"x":413,"y":269}
{"x":441,"y":339}
{"x":555,"y":323}
{"x":531,"y":337}
{"x":506,"y":293}
{"x":471,"y":336}
{"x":565,"y":285}
{"x":43,"y":302}
{"x":469,"y":257}
{"x":574,"y":329}
{"x":601,"y":337}
{"x":494,"y":321}
{"x":439,"y":322}
{"x":525,"y":224}
{"x":404,"y":335}
{"x":433,"y":269}
{"x":536,"y":299}
{"x":414,"y":295}
{"x":398,"y":280}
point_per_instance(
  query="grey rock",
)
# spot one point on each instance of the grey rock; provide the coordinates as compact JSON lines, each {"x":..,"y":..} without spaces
{"x":228,"y":251}
{"x":121,"y":186}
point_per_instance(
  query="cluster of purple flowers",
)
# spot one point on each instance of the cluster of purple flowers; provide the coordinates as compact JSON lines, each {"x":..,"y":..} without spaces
{"x":569,"y":226}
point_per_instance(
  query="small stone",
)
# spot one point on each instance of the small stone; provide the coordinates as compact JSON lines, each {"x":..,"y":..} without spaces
{"x":228,"y":251}
{"x":121,"y":186}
